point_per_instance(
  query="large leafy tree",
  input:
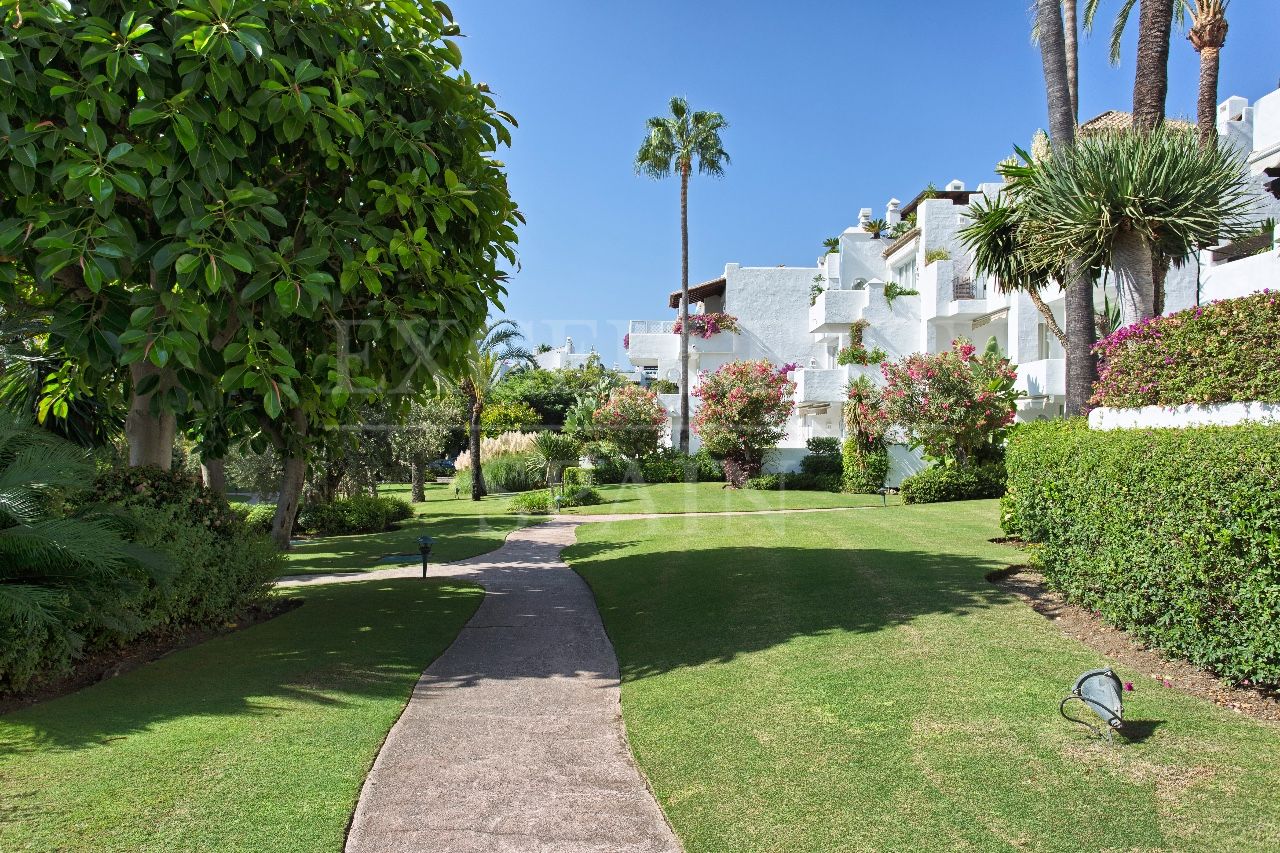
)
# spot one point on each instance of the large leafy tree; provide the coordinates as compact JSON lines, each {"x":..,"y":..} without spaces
{"x":290,"y":202}
{"x":680,"y":142}
{"x":423,"y":433}
{"x":492,"y":353}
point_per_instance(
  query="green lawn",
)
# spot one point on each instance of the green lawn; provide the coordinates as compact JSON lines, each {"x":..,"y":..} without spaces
{"x":254,"y":741}
{"x":714,"y":497}
{"x":851,"y":682}
{"x":461,"y":527}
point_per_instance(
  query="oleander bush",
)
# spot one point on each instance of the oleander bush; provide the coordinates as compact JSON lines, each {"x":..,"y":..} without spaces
{"x":940,"y":483}
{"x":1172,"y":534}
{"x":1225,"y":352}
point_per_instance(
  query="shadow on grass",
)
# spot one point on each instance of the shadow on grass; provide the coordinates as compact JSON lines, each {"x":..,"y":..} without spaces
{"x":350,"y":643}
{"x":457,"y":537}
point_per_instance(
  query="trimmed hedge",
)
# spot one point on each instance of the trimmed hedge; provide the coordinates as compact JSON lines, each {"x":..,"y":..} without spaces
{"x":1172,"y":534}
{"x":1225,"y":352}
{"x":939,"y":484}
{"x":797,"y":481}
{"x":668,"y":465}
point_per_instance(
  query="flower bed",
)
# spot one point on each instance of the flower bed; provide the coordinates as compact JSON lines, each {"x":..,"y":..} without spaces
{"x":1225,"y":352}
{"x":706,"y":325}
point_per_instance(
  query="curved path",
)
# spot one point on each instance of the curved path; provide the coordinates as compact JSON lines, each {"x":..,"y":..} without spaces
{"x":513,"y":739}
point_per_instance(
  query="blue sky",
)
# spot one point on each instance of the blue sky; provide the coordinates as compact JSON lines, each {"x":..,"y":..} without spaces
{"x":832,"y":106}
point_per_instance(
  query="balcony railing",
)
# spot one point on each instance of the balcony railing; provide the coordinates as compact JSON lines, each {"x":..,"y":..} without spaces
{"x":651,"y":327}
{"x":963,"y":287}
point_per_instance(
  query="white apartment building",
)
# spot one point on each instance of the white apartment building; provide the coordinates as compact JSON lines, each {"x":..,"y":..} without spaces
{"x":784,"y":320}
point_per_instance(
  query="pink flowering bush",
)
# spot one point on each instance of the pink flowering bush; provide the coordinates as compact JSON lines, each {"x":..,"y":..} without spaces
{"x":1224,"y":352}
{"x":744,"y":412}
{"x":705,"y":325}
{"x":632,"y":420}
{"x":954,"y":405}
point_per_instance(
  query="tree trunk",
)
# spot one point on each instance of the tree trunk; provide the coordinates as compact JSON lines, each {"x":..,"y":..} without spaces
{"x":1151,"y":80}
{"x":1049,"y":320}
{"x":1135,"y":283}
{"x":417,"y":479}
{"x":295,"y":474}
{"x":1159,"y":272}
{"x":1053,"y":57}
{"x":213,"y":472}
{"x":1071,"y":44}
{"x":684,"y":308}
{"x":477,"y":471}
{"x":150,"y":435}
{"x":1082,"y":364}
{"x":1207,"y":101}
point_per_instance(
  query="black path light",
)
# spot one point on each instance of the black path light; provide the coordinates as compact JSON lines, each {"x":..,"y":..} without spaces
{"x":1100,"y":691}
{"x":424,"y":547}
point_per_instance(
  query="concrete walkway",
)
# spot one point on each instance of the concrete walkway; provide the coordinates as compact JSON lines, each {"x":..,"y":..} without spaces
{"x":513,"y":741}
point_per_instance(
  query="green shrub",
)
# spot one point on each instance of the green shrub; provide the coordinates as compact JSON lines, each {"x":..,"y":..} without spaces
{"x":939,"y":484}
{"x":359,"y":514}
{"x":1228,"y":351}
{"x":214,"y":568}
{"x":1172,"y":534}
{"x":575,"y":476}
{"x":800,"y":481}
{"x":256,"y":517}
{"x":864,"y":472}
{"x":536,"y":502}
{"x":581,"y":496}
{"x":823,"y":459}
{"x":664,"y":386}
{"x":508,"y":416}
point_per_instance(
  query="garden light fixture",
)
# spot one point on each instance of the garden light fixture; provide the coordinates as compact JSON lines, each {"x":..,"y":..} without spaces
{"x":1100,"y":690}
{"x":424,"y":547}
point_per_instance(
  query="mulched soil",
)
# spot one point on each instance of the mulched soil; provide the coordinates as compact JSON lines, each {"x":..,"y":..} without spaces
{"x":109,"y":663}
{"x":1081,"y":624}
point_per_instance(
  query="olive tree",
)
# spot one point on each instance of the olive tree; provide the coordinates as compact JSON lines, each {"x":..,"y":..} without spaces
{"x":289,"y":203}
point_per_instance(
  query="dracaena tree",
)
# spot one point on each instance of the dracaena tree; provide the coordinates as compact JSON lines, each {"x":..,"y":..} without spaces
{"x":293,"y":204}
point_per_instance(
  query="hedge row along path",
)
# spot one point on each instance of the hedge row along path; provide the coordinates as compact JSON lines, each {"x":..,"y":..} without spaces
{"x":513,"y":738}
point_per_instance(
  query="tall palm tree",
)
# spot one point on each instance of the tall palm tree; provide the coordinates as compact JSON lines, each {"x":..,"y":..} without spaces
{"x":678,"y":143}
{"x":1082,"y":365}
{"x":1116,"y":200}
{"x":1071,"y":47}
{"x":494,"y":351}
{"x":1208,"y":34}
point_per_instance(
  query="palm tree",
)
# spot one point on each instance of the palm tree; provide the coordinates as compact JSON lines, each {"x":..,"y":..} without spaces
{"x":1208,"y":34}
{"x":552,"y":453}
{"x":1082,"y":365}
{"x":677,"y":143}
{"x":998,"y":240}
{"x":1071,"y":47}
{"x":494,"y":351}
{"x":1116,"y":200}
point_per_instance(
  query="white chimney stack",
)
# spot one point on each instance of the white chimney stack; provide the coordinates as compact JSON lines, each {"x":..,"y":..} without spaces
{"x":864,"y":216}
{"x":891,"y":213}
{"x":955,"y":186}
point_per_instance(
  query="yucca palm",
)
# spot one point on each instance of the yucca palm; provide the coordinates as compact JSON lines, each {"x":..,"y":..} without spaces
{"x":998,"y":239}
{"x":1117,"y":199}
{"x":552,"y":453}
{"x":55,"y":567}
{"x":494,"y":351}
{"x":679,"y":142}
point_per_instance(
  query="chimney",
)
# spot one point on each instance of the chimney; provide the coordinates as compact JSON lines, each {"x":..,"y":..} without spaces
{"x":891,"y":213}
{"x":864,"y":216}
{"x":955,"y":186}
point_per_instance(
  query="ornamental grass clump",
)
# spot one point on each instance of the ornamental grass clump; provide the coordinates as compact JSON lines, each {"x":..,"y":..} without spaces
{"x":744,"y":412}
{"x":507,"y":444}
{"x":706,"y":325}
{"x":1225,"y":352}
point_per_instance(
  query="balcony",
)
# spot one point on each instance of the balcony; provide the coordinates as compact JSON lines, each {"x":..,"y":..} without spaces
{"x":834,"y":311}
{"x":652,"y":342}
{"x":816,"y":388}
{"x":1044,"y":378}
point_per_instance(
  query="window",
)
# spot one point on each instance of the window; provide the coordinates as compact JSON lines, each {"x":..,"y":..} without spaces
{"x":1043,"y":341}
{"x":905,"y":274}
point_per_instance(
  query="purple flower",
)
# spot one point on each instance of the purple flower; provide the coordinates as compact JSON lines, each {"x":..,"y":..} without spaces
{"x":1128,"y":686}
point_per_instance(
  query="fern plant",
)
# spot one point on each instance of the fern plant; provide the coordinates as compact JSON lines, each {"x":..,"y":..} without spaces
{"x":58,"y":571}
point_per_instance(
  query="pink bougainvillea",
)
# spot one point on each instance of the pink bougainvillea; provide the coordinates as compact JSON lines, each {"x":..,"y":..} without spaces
{"x":953,"y":405}
{"x":743,"y":414}
{"x":705,"y":325}
{"x":633,"y":420}
{"x":1224,"y":352}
